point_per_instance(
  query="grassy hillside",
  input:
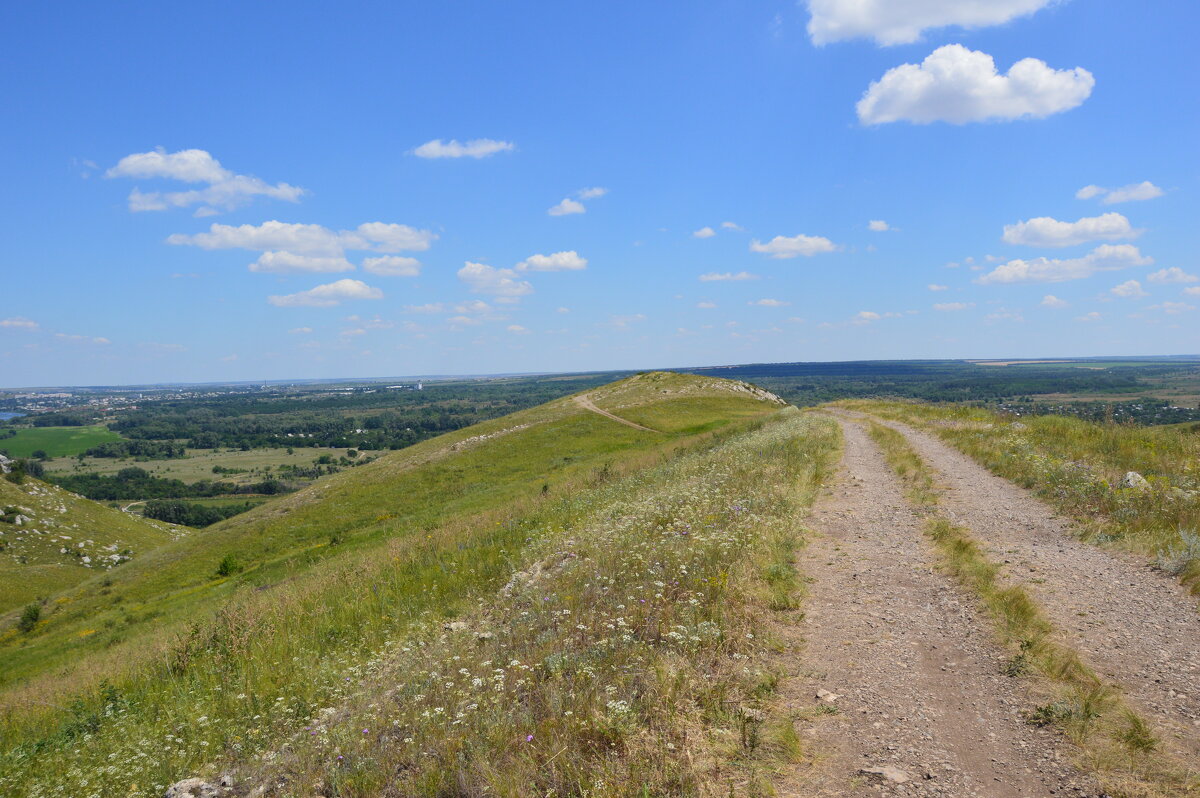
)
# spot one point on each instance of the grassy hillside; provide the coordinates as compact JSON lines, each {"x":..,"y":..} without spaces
{"x":51,"y":540}
{"x":275,"y":610}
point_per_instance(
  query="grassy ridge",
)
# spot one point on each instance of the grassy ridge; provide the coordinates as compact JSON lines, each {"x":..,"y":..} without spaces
{"x":1078,"y":466}
{"x":1116,"y":742}
{"x":327,"y":576}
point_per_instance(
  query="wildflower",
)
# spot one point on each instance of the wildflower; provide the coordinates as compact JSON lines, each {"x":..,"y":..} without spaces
{"x":529,"y":739}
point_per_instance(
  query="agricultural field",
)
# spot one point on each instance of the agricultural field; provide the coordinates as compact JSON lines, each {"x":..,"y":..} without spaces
{"x":57,"y":441}
{"x":241,"y":466}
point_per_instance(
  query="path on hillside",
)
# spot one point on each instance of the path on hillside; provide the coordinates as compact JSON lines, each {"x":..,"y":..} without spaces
{"x":585,"y":401}
{"x":1137,"y":628}
{"x":913,"y":661}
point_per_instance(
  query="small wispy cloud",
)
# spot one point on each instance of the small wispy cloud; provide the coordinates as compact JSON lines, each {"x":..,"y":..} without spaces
{"x":475,"y":148}
{"x":1134,"y":192}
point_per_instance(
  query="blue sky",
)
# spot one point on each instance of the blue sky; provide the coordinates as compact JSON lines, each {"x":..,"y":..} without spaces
{"x":244,"y":191}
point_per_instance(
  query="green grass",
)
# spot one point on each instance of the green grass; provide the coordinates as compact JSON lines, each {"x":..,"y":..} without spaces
{"x":198,"y":463}
{"x":328,"y":576}
{"x":57,"y":441}
{"x":1078,"y":466}
{"x":1116,"y":742}
{"x":33,"y":563}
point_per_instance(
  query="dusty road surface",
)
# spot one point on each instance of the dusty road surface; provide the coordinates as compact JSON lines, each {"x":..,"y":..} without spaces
{"x":1136,"y":627}
{"x":924,"y":708}
{"x":586,"y":403}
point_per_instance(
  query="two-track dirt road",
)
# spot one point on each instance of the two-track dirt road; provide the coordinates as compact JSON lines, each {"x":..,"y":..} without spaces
{"x":922,"y":691}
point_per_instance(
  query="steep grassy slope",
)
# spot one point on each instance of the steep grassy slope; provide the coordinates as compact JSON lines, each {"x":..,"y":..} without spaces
{"x":275,"y":601}
{"x":52,"y":539}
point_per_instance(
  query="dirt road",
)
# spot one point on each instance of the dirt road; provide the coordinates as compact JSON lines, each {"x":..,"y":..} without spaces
{"x":1136,"y":627}
{"x":924,"y":708}
{"x":586,"y":403}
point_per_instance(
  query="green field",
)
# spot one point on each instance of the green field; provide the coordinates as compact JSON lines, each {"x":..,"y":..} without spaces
{"x":57,"y":441}
{"x":198,"y":464}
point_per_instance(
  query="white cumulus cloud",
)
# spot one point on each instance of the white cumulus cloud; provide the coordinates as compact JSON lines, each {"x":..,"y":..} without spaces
{"x":1051,"y":301}
{"x":274,"y":262}
{"x":1193,"y":291}
{"x":936,"y":287}
{"x":769,"y":303}
{"x":567,"y":207}
{"x":717,"y":277}
{"x":1173,"y":275}
{"x":1044,"y":231}
{"x":957,"y":85}
{"x":1134,"y":192}
{"x":392,"y":266}
{"x":308,"y":239}
{"x":567,"y":261}
{"x":1088,"y":317}
{"x":790,"y":247}
{"x":1104,"y":258}
{"x":731,"y":226}
{"x":19,"y":323}
{"x":1127,"y":289}
{"x":704,"y":232}
{"x":475,"y":148}
{"x":891,"y":22}
{"x":502,"y":283}
{"x":947,"y":307}
{"x":706,"y":305}
{"x":328,"y":295}
{"x":224,"y":190}
{"x":878,"y":226}
{"x":595,"y":192}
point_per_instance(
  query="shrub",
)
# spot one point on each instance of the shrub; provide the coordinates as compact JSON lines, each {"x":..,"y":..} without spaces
{"x":29,"y":617}
{"x":228,"y":566}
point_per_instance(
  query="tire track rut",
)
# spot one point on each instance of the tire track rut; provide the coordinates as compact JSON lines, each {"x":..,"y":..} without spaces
{"x":918,"y":673}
